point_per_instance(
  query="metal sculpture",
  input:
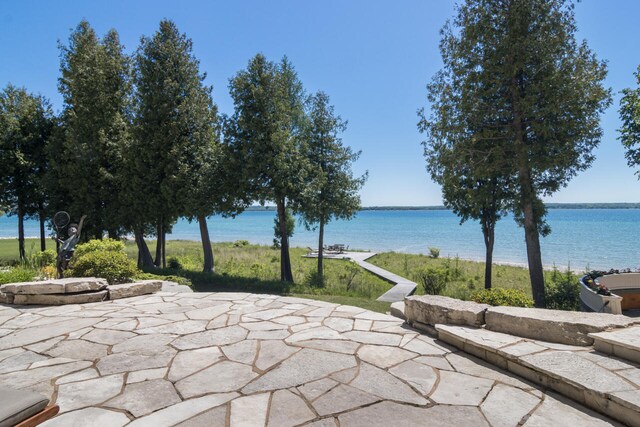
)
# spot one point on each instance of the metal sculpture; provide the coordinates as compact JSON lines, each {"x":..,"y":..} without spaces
{"x":66,"y":247}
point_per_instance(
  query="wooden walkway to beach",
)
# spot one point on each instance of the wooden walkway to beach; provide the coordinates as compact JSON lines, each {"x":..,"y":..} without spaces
{"x":402,"y":287}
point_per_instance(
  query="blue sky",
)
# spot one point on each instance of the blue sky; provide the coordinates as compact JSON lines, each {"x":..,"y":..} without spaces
{"x":373,"y":58}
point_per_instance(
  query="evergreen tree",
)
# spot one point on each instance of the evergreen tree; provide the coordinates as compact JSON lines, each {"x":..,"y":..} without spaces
{"x":534,"y":95}
{"x":96,"y":88}
{"x":332,"y":190}
{"x":175,"y":136}
{"x":630,"y":130}
{"x":25,"y":127}
{"x":264,"y":137}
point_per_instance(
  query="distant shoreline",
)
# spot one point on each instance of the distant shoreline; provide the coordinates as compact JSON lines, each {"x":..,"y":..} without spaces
{"x":621,"y":205}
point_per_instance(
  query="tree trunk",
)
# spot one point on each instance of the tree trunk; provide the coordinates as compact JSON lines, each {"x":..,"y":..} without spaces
{"x":164,"y":248}
{"x":488,"y":230}
{"x":285,"y":260}
{"x":534,"y":256}
{"x":206,"y":244}
{"x":144,"y":256}
{"x":320,"y":251}
{"x":43,"y":242}
{"x":527,"y":195}
{"x":21,"y":233}
{"x":158,"y":258}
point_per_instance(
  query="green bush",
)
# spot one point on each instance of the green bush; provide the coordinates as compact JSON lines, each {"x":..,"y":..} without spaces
{"x":43,"y":258}
{"x":314,"y":279}
{"x":240,"y":243}
{"x":562,"y":291}
{"x":106,"y":245}
{"x":434,"y":253}
{"x":174,"y":263}
{"x":116,"y":267}
{"x":433,"y":280}
{"x":17,"y":274}
{"x":500,"y":296}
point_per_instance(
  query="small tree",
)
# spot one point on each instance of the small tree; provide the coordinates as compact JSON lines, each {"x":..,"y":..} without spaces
{"x":630,"y":130}
{"x":264,"y":138}
{"x":25,"y":128}
{"x":332,"y":190}
{"x":538,"y":96}
{"x":96,"y":88}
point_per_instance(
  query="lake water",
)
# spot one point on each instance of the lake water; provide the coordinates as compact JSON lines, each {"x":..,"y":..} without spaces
{"x":597,"y":238}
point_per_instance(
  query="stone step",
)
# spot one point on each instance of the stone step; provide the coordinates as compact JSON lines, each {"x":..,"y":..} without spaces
{"x":604,"y":383}
{"x":60,"y":299}
{"x":127,"y":290}
{"x":55,"y":286}
{"x":565,"y":327}
{"x":437,"y":309}
{"x":624,"y":343}
{"x":397,"y":310}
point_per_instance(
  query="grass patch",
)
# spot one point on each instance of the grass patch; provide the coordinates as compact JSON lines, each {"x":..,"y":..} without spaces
{"x":243,"y":267}
{"x":464,"y":277}
{"x":9,"y":249}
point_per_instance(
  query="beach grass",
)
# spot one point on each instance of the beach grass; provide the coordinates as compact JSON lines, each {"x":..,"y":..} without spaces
{"x":244,"y":267}
{"x":9,"y":249}
{"x":465,"y":277}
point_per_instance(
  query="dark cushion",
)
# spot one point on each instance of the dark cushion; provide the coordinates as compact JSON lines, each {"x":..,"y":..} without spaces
{"x":18,"y":405}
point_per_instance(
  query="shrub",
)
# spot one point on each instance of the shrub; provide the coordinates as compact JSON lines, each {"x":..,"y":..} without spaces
{"x":500,"y":296}
{"x":43,"y":258}
{"x":240,"y":243}
{"x":17,"y":274}
{"x":434,"y":253}
{"x":314,"y":279}
{"x":105,"y":245}
{"x":562,"y":291}
{"x":433,"y":280}
{"x":116,"y":267}
{"x":174,"y":263}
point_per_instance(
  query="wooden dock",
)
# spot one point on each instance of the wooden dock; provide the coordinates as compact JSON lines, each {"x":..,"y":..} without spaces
{"x":402,"y":287}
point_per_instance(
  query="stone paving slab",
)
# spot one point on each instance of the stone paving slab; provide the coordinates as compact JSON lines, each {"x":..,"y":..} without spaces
{"x":189,"y":359}
{"x":603,"y":383}
{"x":624,"y":343}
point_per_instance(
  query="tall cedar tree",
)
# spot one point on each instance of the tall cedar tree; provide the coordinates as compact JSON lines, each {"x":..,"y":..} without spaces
{"x":264,"y":135}
{"x":26,"y":123}
{"x":332,"y":190}
{"x":175,"y":129}
{"x":96,"y":89}
{"x":546,"y":96}
{"x":630,"y":130}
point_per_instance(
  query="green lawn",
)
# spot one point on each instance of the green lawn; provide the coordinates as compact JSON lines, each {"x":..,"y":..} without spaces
{"x":9,"y":248}
{"x":255,"y":268}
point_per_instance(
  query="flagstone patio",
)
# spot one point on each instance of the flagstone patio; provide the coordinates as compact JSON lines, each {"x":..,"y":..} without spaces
{"x":235,"y":359}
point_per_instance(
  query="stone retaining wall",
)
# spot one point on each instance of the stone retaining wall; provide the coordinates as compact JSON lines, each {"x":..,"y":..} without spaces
{"x":73,"y":290}
{"x":565,"y":327}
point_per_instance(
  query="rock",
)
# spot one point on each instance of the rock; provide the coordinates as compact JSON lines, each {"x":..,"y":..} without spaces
{"x":56,"y":286}
{"x":127,"y":290}
{"x":250,"y":411}
{"x":88,"y":392}
{"x":182,"y":411}
{"x":305,"y":366}
{"x":89,"y":417}
{"x":436,"y":309}
{"x":220,"y":378}
{"x":397,"y":310}
{"x":342,"y":398}
{"x":499,"y":414}
{"x":460,"y":389}
{"x":6,"y":298}
{"x":145,"y":397}
{"x":565,"y":327}
{"x":59,"y":299}
{"x":288,"y":410}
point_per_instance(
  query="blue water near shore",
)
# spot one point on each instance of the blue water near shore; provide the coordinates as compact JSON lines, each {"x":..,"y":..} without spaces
{"x":597,"y":238}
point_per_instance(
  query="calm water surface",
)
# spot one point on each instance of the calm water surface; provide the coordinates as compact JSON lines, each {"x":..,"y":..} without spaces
{"x":597,"y":238}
